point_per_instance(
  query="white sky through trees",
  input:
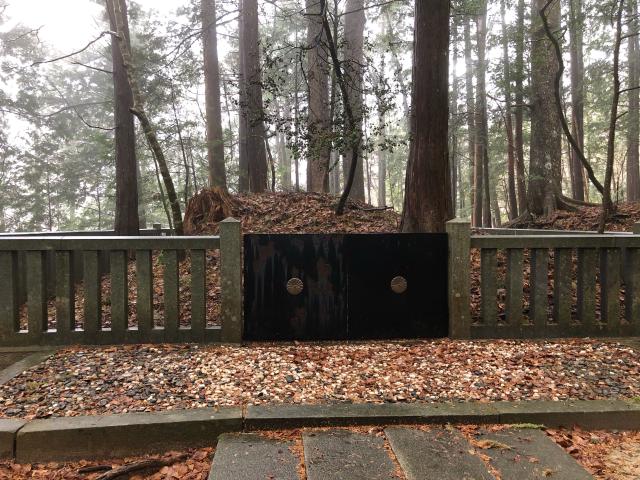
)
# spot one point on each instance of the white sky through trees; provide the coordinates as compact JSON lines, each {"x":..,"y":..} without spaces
{"x":69,"y":24}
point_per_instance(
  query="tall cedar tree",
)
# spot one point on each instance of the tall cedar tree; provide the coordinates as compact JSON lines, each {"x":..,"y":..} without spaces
{"x":319,"y":121}
{"x":482,"y":130}
{"x":354,"y":21}
{"x":126,"y":215}
{"x":508,"y":122}
{"x":252,"y":107}
{"x":633,"y":129}
{"x":138,"y":109}
{"x":545,"y":171}
{"x":471,"y":123}
{"x":519,"y":75}
{"x":453,"y":130}
{"x":427,"y":202}
{"x":576,"y":25}
{"x":215,"y":140}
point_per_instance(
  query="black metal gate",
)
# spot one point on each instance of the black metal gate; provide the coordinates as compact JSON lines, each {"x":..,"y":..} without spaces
{"x":352,"y":286}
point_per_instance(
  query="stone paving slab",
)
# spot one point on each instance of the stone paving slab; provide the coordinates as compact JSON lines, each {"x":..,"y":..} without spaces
{"x":282,"y":416}
{"x":589,"y":414}
{"x":342,"y":455}
{"x":529,"y":454}
{"x":442,"y":454}
{"x":8,"y":430}
{"x":253,"y":457}
{"x":107,"y":436}
{"x":24,"y":362}
{"x":9,"y":358}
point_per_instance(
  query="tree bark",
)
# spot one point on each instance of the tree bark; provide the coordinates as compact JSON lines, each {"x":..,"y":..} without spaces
{"x":633,"y":130}
{"x":607,"y":203}
{"x":545,"y":155}
{"x":126,"y":215}
{"x":576,"y":22}
{"x":475,"y":168}
{"x":243,"y":123}
{"x":354,"y":21}
{"x":453,"y":130}
{"x":482,"y":131}
{"x":508,"y":124}
{"x":427,"y":201}
{"x":335,"y":171}
{"x":253,"y":110}
{"x":215,"y":139}
{"x":318,"y":121}
{"x":519,"y":109}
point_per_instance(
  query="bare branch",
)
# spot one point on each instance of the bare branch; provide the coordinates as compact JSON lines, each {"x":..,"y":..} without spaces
{"x":106,"y":32}
{"x":558,"y":98}
{"x":91,"y":67}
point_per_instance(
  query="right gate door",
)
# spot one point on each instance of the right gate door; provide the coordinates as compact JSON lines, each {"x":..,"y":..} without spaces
{"x":397,"y":285}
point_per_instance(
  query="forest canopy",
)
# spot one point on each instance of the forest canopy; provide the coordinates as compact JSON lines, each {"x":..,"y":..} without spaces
{"x":541,"y":96}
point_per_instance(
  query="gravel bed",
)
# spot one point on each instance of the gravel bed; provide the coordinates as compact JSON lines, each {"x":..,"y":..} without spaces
{"x":90,"y":381}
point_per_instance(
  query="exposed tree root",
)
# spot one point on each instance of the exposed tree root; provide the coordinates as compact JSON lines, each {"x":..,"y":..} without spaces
{"x":210,"y":206}
{"x":155,"y":464}
{"x":578,"y":203}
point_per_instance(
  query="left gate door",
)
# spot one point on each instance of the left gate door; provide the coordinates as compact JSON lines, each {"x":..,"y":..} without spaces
{"x":295,"y":287}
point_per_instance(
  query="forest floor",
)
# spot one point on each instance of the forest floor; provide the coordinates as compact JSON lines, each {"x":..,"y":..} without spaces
{"x":142,"y":378}
{"x":588,"y":218}
{"x":608,"y":455}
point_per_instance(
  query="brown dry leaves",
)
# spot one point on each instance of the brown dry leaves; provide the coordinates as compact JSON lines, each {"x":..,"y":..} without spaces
{"x":587,"y":218}
{"x":195,"y":467}
{"x":610,"y":455}
{"x":89,"y":381}
{"x":302,"y":213}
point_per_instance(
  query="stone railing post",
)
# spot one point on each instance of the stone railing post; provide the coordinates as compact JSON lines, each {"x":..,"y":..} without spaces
{"x":231,"y":280}
{"x":636,"y":228}
{"x":459,"y":232}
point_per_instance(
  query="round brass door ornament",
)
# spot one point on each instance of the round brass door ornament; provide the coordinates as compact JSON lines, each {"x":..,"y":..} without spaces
{"x":295,"y":286}
{"x":399,"y":284}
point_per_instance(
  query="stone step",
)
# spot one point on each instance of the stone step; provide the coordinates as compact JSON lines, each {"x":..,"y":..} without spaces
{"x":253,"y":457}
{"x":442,"y":454}
{"x":529,"y":454}
{"x":422,"y":454}
{"x":342,"y":455}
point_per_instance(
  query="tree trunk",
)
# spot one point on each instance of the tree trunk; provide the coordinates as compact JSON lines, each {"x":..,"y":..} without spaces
{"x":215,"y":138}
{"x":576,"y":24}
{"x":382,"y":178}
{"x":427,"y":201}
{"x":318,"y":121}
{"x":453,"y":130}
{"x":145,"y":123}
{"x":607,"y":203}
{"x":475,"y":167}
{"x":296,"y":119}
{"x":545,"y":170}
{"x":508,"y":124}
{"x":519,"y":109}
{"x":253,"y":109}
{"x":354,"y":21}
{"x":243,"y":123}
{"x":283,"y":152}
{"x":126,"y":215}
{"x":335,"y":173}
{"x":482,"y":131}
{"x":633,"y":130}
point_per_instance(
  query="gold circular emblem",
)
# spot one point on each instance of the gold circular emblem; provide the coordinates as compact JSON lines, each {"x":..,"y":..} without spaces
{"x":399,"y":284}
{"x":295,"y":286}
